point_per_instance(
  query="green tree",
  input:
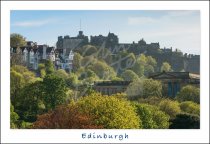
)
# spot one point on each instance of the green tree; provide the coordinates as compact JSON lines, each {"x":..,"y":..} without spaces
{"x":139,"y":66}
{"x":49,"y":67}
{"x":170,"y":107}
{"x":190,"y":107}
{"x":129,"y":75}
{"x":88,"y":50}
{"x":144,"y":88}
{"x":185,"y":121}
{"x":41,"y":70}
{"x":151,"y":61}
{"x":61,"y":73}
{"x":125,"y":59}
{"x":152,"y":117}
{"x":189,"y":93}
{"x":54,"y":91}
{"x":103,"y":70}
{"x":72,"y":81}
{"x":13,"y":117}
{"x":152,"y":88}
{"x":77,"y":61}
{"x":17,"y":40}
{"x":28,"y":76}
{"x":110,"y":112}
{"x":166,"y":67}
{"x":29,"y":102}
{"x":16,"y":83}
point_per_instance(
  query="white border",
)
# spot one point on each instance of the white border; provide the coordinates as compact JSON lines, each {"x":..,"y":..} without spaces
{"x":74,"y":136}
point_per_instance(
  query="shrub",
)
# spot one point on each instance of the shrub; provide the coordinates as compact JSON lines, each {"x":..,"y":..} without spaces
{"x":190,"y":107}
{"x":170,"y":107}
{"x":189,"y":93}
{"x":185,"y":121}
{"x":152,"y":117}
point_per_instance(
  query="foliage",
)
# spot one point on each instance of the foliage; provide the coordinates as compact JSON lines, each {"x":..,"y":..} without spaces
{"x":138,"y":68}
{"x":61,"y":73}
{"x":152,"y":117}
{"x":29,"y":102}
{"x":77,"y":61}
{"x":19,"y":77}
{"x":65,"y":117}
{"x":28,"y":76}
{"x":170,"y":107}
{"x":144,"y":88}
{"x":166,"y":67}
{"x":185,"y":121}
{"x":129,"y":75}
{"x":49,"y":67}
{"x":153,"y":100}
{"x":16,"y":83}
{"x":13,"y":117}
{"x":41,"y":70}
{"x":102,"y":70}
{"x":110,"y":112}
{"x":190,"y":107}
{"x":17,"y":40}
{"x":189,"y":93}
{"x":87,"y":50}
{"x":72,"y":81}
{"x":54,"y":91}
{"x":125,"y":60}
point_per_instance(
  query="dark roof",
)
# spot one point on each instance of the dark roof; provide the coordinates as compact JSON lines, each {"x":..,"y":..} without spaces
{"x":176,"y":75}
{"x":112,"y":83}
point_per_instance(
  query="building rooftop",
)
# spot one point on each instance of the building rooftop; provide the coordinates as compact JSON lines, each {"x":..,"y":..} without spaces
{"x":177,"y":75}
{"x":112,"y":83}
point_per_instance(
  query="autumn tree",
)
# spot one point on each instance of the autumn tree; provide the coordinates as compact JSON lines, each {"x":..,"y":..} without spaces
{"x":65,"y":117}
{"x":189,"y":93}
{"x":110,"y":112}
{"x":152,"y":117}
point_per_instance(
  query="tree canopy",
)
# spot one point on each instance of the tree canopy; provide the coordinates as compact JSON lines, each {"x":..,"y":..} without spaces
{"x":110,"y":112}
{"x":189,"y":93}
{"x":17,"y":40}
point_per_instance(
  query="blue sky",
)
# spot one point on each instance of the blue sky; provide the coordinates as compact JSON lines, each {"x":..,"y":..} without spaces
{"x":176,"y":29}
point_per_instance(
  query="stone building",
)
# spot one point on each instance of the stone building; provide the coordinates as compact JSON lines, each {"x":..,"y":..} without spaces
{"x":111,"y":87}
{"x":65,"y":44}
{"x":172,"y":82}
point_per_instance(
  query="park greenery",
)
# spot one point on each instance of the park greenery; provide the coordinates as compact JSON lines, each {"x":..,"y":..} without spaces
{"x":55,"y":99}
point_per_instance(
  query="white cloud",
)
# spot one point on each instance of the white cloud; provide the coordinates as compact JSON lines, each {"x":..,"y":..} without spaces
{"x":36,"y":23}
{"x":180,"y":13}
{"x":140,"y":20}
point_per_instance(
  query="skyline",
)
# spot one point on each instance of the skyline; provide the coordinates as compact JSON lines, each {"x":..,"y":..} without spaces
{"x":176,"y":29}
